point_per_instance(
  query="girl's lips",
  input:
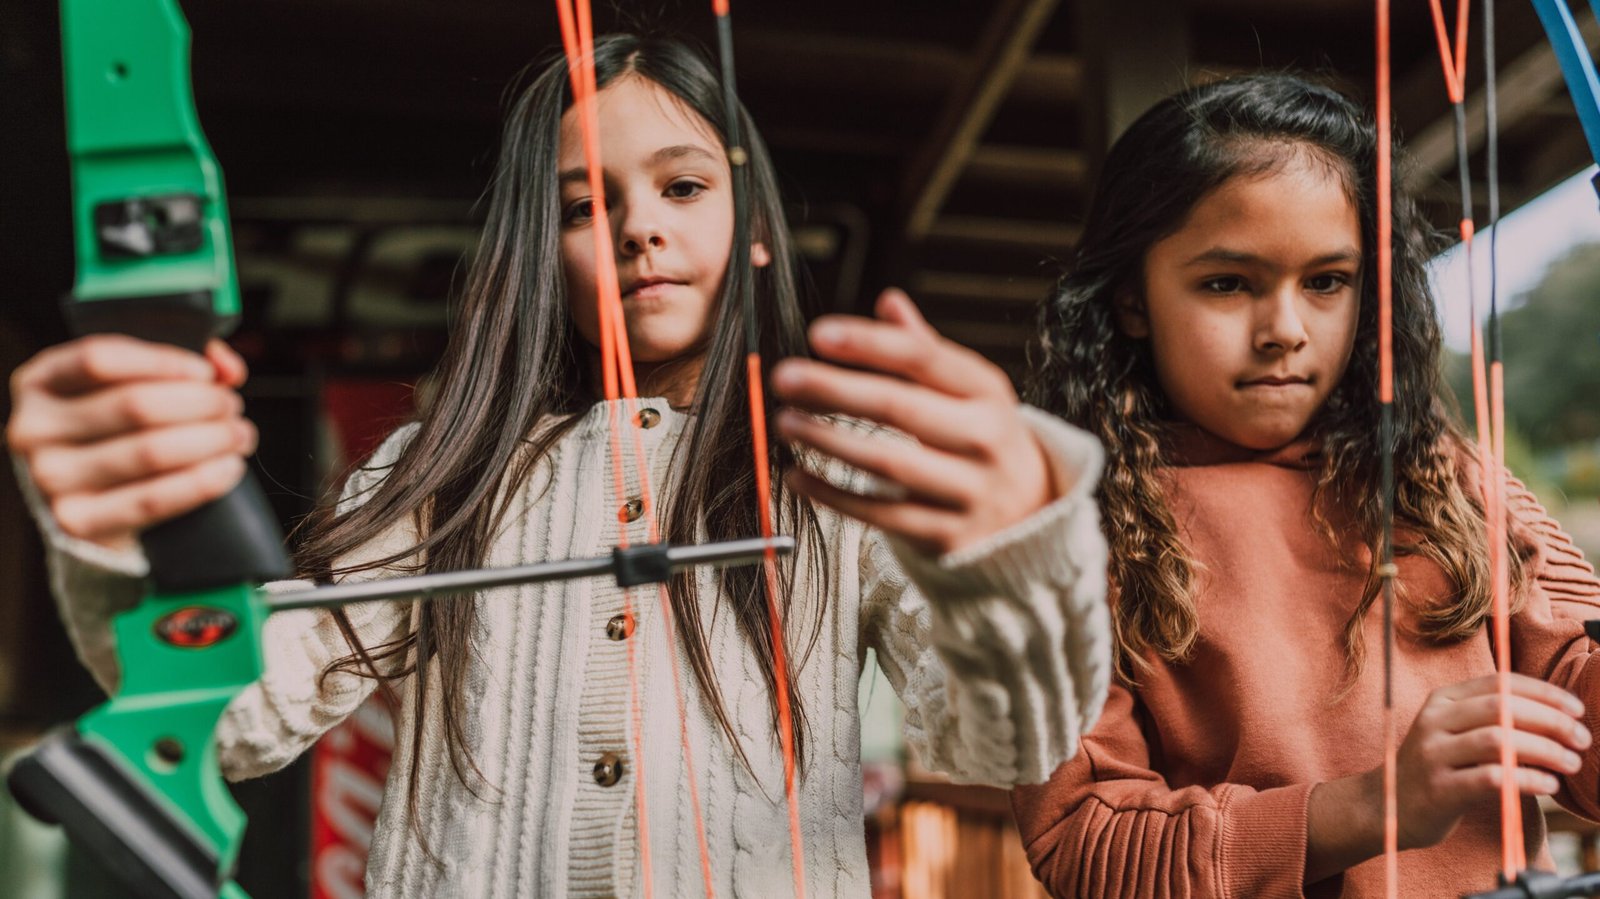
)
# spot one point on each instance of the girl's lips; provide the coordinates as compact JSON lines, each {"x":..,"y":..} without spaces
{"x":651,"y":290}
{"x":1276,"y":382}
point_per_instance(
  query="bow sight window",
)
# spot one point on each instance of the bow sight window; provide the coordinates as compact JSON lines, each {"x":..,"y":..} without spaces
{"x":148,"y":226}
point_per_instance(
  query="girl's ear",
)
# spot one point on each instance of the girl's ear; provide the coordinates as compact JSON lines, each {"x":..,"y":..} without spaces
{"x":759,"y":256}
{"x":1131,"y":317}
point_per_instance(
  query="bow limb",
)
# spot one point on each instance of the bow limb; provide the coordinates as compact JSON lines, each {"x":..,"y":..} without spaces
{"x":136,"y":780}
{"x":1577,"y":67}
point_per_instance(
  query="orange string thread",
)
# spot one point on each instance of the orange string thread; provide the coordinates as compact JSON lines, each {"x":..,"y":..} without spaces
{"x":758,"y":431}
{"x":1385,"y":266}
{"x":1514,"y":850}
{"x":1454,"y":59}
{"x":1489,"y":414}
{"x":1491,"y":464}
{"x":618,"y":384}
{"x":578,"y":42}
{"x":763,"y":469}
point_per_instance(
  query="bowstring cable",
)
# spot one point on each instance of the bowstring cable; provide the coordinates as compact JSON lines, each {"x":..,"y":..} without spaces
{"x":580,"y":69}
{"x":1489,"y":414}
{"x":620,"y":389}
{"x":740,"y":269}
{"x":1386,"y":567}
{"x":1499,"y":545}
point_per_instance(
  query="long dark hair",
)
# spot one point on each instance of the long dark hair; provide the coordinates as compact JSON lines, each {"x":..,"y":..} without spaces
{"x":514,"y":381}
{"x":1092,"y":374}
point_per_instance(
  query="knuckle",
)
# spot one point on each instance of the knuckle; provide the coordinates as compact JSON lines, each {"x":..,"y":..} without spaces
{"x":920,"y":363}
{"x":70,"y":516}
{"x":97,"y":356}
{"x":894,"y":466}
{"x":139,"y":406}
{"x":985,"y":437}
{"x":149,"y":505}
{"x":50,"y":473}
{"x":893,"y":408}
{"x":21,"y":433}
{"x":1492,"y":775}
{"x":151,"y":453}
{"x":217,"y":479}
{"x":1000,"y":385}
{"x":21,"y":376}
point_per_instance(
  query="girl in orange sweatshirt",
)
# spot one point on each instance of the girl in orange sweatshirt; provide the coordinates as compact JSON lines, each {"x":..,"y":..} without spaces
{"x":1218,"y":331}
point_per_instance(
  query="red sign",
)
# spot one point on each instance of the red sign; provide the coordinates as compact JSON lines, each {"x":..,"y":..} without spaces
{"x":351,"y":762}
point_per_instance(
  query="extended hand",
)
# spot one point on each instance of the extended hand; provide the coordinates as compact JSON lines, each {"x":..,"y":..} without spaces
{"x":975,"y":467}
{"x":119,"y":434}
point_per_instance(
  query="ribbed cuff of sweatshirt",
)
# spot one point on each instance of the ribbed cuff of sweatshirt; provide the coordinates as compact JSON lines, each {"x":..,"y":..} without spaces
{"x":1264,"y":841}
{"x":124,"y":563}
{"x":1036,"y":549}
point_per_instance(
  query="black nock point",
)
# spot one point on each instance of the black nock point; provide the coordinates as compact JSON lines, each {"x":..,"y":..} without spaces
{"x":636,"y":565}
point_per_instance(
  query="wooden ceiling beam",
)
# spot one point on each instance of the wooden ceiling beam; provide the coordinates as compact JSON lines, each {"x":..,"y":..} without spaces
{"x":1526,"y":87}
{"x":1043,"y":235}
{"x":983,"y":288}
{"x":1051,"y":166}
{"x":1007,"y":41}
{"x":888,"y":66}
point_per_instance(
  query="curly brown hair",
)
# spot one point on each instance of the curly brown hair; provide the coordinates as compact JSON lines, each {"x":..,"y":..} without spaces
{"x":1088,"y":371}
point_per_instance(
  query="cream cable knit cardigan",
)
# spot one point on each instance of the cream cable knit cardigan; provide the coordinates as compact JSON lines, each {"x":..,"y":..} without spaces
{"x":1000,"y":653}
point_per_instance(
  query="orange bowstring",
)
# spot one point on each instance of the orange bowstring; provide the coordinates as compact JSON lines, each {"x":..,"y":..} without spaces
{"x":577,"y":35}
{"x":1489,"y":418}
{"x":738,"y":158}
{"x":1489,"y":413}
{"x":780,"y":660}
{"x":1453,"y":60}
{"x":580,"y":69}
{"x":1391,"y":804}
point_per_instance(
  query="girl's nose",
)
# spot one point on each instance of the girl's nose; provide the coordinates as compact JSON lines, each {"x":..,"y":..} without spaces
{"x":637,"y":236}
{"x":1281,"y":328}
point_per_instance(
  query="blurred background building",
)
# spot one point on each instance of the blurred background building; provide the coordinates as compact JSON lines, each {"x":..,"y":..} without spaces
{"x":947,"y":146}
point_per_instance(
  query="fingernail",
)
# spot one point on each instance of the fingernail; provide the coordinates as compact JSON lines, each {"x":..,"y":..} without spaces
{"x":826,"y":332}
{"x":785,"y":374}
{"x":245,"y":434}
{"x":1582,"y":737}
{"x":1573,"y":762}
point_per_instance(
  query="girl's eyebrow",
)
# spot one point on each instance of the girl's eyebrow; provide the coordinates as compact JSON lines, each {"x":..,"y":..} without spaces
{"x":665,"y":154}
{"x":681,"y":151}
{"x":1239,"y":257}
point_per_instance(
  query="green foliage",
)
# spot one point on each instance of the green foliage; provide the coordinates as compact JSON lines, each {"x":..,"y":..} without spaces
{"x":1552,"y":353}
{"x":1551,"y":348}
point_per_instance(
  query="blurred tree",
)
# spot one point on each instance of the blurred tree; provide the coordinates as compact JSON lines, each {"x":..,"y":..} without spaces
{"x":1552,"y":370}
{"x":1552,"y":353}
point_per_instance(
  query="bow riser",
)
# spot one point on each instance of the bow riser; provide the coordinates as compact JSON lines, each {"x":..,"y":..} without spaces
{"x":149,"y":216}
{"x":137,"y":780}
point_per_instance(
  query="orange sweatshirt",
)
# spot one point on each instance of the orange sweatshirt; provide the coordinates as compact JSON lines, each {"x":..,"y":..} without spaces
{"x":1195,"y":783}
